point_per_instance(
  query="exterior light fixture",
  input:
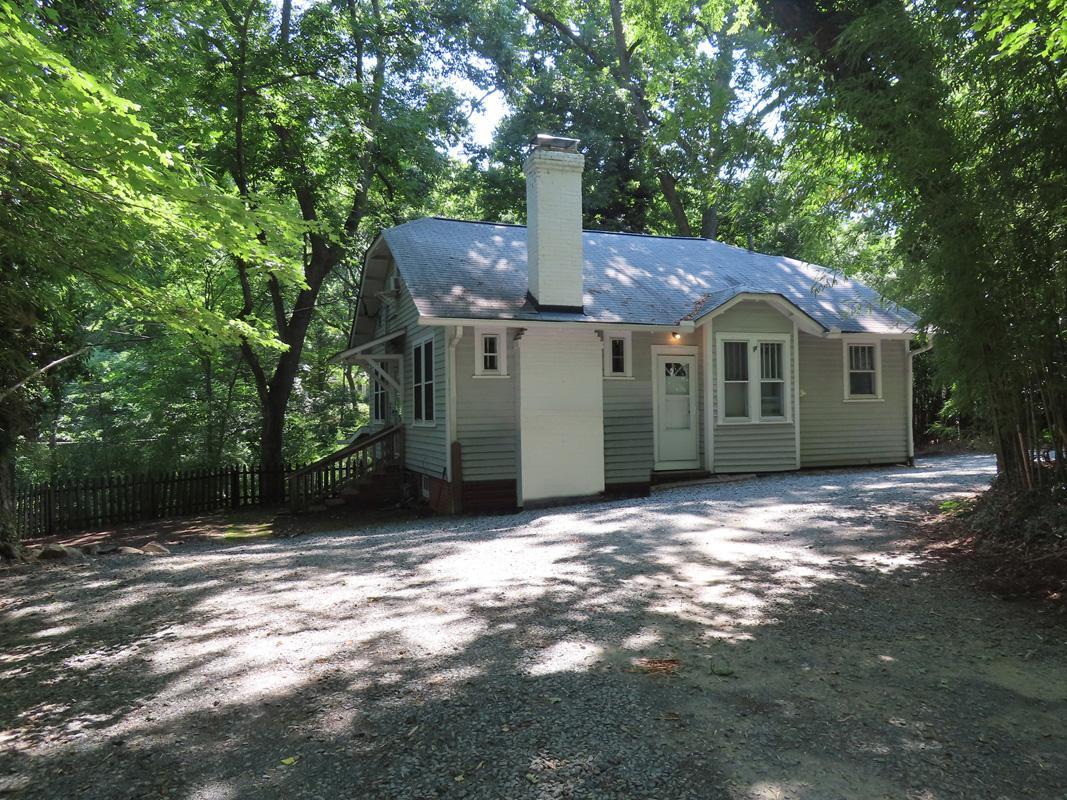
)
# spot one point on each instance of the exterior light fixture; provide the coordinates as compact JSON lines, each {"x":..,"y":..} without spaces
{"x":675,"y":335}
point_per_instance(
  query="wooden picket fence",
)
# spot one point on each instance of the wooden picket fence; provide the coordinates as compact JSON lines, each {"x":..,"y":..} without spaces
{"x":118,"y":499}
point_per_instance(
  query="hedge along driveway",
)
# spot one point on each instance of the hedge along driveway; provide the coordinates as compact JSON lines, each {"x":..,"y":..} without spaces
{"x":768,"y":639}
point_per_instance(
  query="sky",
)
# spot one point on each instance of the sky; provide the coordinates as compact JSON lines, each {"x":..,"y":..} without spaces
{"x":483,"y":121}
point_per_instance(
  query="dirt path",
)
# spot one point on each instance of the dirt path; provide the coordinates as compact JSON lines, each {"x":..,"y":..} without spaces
{"x":771,"y":639}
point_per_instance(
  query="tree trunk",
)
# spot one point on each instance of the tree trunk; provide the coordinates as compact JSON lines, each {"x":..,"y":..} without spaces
{"x":709,"y":222}
{"x":270,"y":448}
{"x":9,"y":532}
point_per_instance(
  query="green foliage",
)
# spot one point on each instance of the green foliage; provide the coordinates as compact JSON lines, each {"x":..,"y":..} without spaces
{"x":960,"y":145}
{"x":91,"y":193}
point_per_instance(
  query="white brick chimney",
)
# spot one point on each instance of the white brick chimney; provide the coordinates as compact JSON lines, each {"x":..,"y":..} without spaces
{"x":554,"y":222}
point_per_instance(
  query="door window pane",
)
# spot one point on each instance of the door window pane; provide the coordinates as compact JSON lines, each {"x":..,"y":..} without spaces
{"x":677,"y":377}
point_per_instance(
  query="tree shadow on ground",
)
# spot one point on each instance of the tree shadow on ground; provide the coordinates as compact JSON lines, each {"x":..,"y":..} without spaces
{"x":502,"y":657}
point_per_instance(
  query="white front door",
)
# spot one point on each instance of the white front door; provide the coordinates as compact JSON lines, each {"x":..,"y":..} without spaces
{"x":676,"y":411}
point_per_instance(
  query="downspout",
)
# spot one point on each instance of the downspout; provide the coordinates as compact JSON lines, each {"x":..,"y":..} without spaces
{"x":454,"y":335}
{"x":911,"y":396}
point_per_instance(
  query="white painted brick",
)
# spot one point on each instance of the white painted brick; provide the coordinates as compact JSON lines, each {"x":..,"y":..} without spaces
{"x":554,"y":226}
{"x":561,"y":414}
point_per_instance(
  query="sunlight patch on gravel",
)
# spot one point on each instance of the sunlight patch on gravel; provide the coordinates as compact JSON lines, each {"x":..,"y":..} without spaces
{"x":405,"y":616}
{"x":567,"y":656}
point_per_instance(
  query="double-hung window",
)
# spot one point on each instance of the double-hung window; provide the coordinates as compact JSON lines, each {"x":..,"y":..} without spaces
{"x":422,"y":382}
{"x":617,"y":358}
{"x":753,"y":378}
{"x":490,"y":354}
{"x":772,"y":380}
{"x":377,"y":400}
{"x":863,"y":370}
{"x":735,"y":379}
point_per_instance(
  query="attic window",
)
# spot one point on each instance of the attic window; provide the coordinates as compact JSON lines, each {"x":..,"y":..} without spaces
{"x":617,"y":355}
{"x":490,"y":354}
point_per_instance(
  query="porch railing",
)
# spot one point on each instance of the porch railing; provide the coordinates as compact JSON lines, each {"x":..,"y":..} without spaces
{"x":328,"y":476}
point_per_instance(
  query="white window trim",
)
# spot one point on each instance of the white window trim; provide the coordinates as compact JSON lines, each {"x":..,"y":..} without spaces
{"x":752,"y":342}
{"x":417,"y":385}
{"x":377,"y":386}
{"x":628,"y":361}
{"x":863,"y":398}
{"x":501,"y":353}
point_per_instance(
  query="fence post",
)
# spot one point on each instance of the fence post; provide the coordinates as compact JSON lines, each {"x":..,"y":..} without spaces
{"x":50,"y":496}
{"x":153,"y":499}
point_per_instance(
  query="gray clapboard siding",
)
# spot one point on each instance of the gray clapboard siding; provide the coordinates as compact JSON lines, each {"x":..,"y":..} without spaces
{"x":761,"y":447}
{"x":629,"y":455}
{"x":486,"y":414}
{"x":838,"y":433}
{"x":425,"y":448}
{"x":752,"y":316}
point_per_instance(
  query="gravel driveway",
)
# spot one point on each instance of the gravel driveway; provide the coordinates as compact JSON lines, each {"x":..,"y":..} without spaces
{"x":799,"y":649}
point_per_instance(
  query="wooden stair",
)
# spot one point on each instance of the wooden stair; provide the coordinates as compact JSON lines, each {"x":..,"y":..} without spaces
{"x":367,"y":472}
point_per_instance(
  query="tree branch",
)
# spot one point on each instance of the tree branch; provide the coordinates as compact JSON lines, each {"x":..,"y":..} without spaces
{"x":8,"y":392}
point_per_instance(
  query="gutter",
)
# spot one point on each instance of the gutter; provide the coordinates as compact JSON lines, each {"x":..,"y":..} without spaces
{"x":684,"y":326}
{"x":911,"y":394}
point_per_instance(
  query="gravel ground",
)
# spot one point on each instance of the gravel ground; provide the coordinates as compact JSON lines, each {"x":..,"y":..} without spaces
{"x":812,"y":654}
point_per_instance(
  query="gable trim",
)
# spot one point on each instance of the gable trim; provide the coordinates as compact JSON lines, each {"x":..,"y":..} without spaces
{"x":778,"y":302}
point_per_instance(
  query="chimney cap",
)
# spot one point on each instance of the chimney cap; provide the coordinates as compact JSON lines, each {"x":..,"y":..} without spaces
{"x":545,"y":141}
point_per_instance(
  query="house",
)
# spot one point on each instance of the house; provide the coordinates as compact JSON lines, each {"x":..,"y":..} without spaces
{"x":529,"y":364}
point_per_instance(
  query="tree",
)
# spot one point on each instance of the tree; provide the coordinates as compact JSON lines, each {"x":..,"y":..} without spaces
{"x":688,"y":74}
{"x":89,"y":197}
{"x":329,"y":110}
{"x":965,"y":137}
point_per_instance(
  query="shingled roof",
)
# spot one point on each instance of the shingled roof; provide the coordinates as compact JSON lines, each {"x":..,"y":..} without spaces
{"x":477,"y":270}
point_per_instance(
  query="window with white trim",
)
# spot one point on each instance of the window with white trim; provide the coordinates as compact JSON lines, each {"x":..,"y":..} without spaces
{"x":422,"y":382}
{"x":735,"y":380}
{"x":772,"y":380}
{"x":753,"y":378}
{"x":490,"y":353}
{"x":863,"y":370}
{"x":618,"y":362}
{"x":377,"y":400}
